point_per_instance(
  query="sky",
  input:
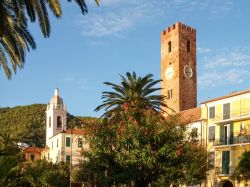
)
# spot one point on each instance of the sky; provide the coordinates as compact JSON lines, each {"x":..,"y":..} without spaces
{"x":123,"y":36}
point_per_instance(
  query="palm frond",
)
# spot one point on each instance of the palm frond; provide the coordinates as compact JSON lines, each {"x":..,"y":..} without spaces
{"x":55,"y":7}
{"x":42,"y":14}
{"x":133,"y":91}
{"x":3,"y":63}
{"x":30,"y":10}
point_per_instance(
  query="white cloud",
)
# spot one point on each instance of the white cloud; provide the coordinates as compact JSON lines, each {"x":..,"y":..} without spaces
{"x":116,"y":17}
{"x":233,"y":59}
{"x":203,"y":50}
{"x":110,"y":24}
{"x":224,"y":67}
{"x":116,"y":22}
{"x":218,"y":78}
{"x":77,"y":81}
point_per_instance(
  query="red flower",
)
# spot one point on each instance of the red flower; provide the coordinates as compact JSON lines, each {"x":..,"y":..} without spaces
{"x":179,"y":149}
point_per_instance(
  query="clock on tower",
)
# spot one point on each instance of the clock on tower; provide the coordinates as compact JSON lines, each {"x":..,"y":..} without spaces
{"x":178,"y":67}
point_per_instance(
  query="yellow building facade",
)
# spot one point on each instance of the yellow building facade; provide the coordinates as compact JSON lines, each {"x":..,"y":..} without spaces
{"x":227,"y":121}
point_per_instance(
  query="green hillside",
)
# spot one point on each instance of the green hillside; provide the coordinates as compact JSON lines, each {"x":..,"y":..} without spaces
{"x":27,"y":123}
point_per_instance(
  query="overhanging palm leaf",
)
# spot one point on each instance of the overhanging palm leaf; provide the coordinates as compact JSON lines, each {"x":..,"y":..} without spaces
{"x":15,"y":39}
{"x":136,"y":93}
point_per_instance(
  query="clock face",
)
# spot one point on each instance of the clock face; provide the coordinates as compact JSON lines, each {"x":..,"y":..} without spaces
{"x":169,"y":73}
{"x":188,"y":72}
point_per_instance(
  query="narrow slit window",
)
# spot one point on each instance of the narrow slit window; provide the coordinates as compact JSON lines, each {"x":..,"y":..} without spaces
{"x":188,"y":46}
{"x":49,"y":122}
{"x":169,"y":46}
{"x":170,"y":94}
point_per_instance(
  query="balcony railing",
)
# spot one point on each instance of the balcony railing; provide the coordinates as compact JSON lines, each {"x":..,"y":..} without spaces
{"x":234,"y":114}
{"x":232,"y":140}
{"x":224,"y":170}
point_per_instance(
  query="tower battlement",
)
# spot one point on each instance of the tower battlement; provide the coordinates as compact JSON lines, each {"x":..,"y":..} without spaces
{"x":178,"y":67}
{"x":178,"y":25}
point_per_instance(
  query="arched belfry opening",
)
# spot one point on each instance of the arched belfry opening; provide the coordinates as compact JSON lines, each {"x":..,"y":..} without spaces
{"x":59,"y":121}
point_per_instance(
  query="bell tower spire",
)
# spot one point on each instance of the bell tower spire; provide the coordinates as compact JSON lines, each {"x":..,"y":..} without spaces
{"x":56,"y":116}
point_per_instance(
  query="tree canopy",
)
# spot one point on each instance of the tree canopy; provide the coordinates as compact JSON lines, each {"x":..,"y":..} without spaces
{"x":135,"y":145}
{"x":157,"y":150}
{"x":27,"y":124}
{"x":242,"y":171}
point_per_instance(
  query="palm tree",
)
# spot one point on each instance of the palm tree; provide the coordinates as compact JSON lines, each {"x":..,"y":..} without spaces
{"x":133,"y":94}
{"x":15,"y":39}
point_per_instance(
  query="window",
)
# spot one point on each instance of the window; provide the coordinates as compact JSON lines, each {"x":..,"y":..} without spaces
{"x":226,"y":134}
{"x":188,"y":47}
{"x":211,"y":159}
{"x":49,"y":122}
{"x":169,"y":46}
{"x":225,"y":162}
{"x":59,"y":121}
{"x":57,"y":142}
{"x":79,"y":142}
{"x":170,"y":94}
{"x":67,"y":141}
{"x":52,"y":144}
{"x":211,"y":133}
{"x":32,"y":157}
{"x":68,"y":158}
{"x":212,"y":112}
{"x":226,"y":111}
{"x":194,"y":133}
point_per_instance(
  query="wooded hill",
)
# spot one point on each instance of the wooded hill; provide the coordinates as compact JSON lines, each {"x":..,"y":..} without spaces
{"x":27,"y":124}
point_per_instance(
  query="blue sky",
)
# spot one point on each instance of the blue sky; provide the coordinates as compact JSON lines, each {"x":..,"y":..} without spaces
{"x":120,"y":36}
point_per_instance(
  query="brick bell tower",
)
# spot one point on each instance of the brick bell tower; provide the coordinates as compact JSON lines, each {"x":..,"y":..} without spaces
{"x":178,"y":67}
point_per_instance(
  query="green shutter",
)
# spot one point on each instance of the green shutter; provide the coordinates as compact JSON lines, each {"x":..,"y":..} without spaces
{"x":67,"y":158}
{"x":226,"y":111}
{"x":67,"y":141}
{"x":225,"y":162}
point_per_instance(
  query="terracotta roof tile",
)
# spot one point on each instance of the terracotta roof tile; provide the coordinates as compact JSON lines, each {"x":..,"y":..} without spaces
{"x":32,"y":150}
{"x":191,"y":115}
{"x":75,"y":131}
{"x":68,"y":131}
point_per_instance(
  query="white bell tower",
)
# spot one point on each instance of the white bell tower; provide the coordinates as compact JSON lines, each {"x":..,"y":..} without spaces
{"x":56,"y":116}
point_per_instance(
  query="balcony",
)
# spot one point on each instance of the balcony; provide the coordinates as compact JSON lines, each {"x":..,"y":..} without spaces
{"x":224,"y":170}
{"x":235,"y":115}
{"x":241,"y":139}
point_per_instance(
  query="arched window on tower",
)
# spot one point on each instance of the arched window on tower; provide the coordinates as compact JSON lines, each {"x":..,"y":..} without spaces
{"x":169,"y":46}
{"x":188,"y":47}
{"x":59,"y":121}
{"x":49,"y":122}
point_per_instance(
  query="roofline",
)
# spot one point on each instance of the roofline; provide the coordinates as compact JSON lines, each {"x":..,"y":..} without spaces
{"x":65,"y":132}
{"x":227,"y":96}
